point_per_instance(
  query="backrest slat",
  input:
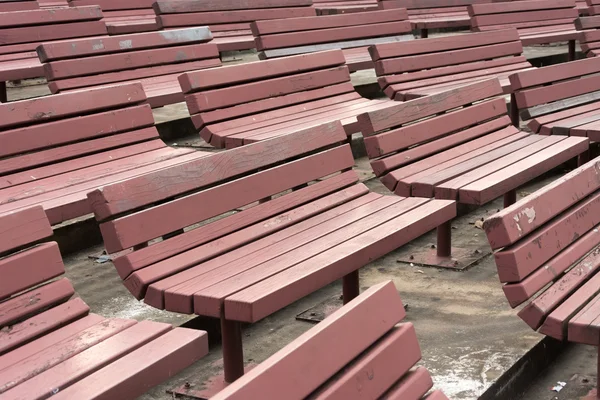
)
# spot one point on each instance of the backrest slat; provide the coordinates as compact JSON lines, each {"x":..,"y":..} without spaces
{"x":218,"y":5}
{"x":51,"y":16}
{"x":21,"y":228}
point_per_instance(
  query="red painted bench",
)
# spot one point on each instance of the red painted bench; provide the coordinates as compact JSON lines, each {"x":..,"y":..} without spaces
{"x":55,"y":149}
{"x":18,"y":5}
{"x":229,"y":20}
{"x":352,"y":33}
{"x":459,"y":145}
{"x":124,"y":17}
{"x":240,"y":104}
{"x":423,"y":67}
{"x":278,"y":220}
{"x":435,"y":14}
{"x":362,"y":350}
{"x":155,"y":59}
{"x":334,"y":7}
{"x":560,"y":99}
{"x":548,"y":256}
{"x":589,"y":35}
{"x":50,"y":343}
{"x":538,"y":21}
{"x":23,"y":31}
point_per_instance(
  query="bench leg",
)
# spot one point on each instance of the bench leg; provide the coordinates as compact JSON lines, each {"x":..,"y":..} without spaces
{"x":233,"y":353}
{"x":514,"y":111}
{"x":351,"y":287}
{"x":598,"y":376}
{"x":444,"y":239}
{"x":3,"y":95}
{"x":571,"y":50}
{"x":510,"y":198}
{"x":424,"y":33}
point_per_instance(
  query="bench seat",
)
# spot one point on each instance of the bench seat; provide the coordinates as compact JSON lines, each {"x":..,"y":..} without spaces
{"x":279,"y":220}
{"x":55,"y":149}
{"x":235,"y":105}
{"x":155,"y":59}
{"x":560,"y":99}
{"x":23,"y":31}
{"x":351,"y":33}
{"x":424,"y":67}
{"x":548,"y":256}
{"x":459,"y":145}
{"x":50,"y":343}
{"x":385,"y":346}
{"x":229,"y":20}
{"x":538,"y":21}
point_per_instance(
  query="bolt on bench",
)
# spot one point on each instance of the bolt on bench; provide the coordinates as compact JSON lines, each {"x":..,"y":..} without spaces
{"x":350,"y":32}
{"x":538,"y":21}
{"x":561,"y":99}
{"x":55,"y":149}
{"x":459,"y":145}
{"x":434,"y":14}
{"x":423,"y":67}
{"x":51,"y":346}
{"x":23,"y":31}
{"x":549,"y":257}
{"x":279,"y":220}
{"x":155,"y":59}
{"x":123,"y":17}
{"x":228,"y":20}
{"x":373,"y":362}
{"x":240,"y":104}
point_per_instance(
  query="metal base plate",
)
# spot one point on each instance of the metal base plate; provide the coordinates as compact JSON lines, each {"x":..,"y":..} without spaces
{"x":460,"y":260}
{"x":321,"y":311}
{"x":206,"y":390}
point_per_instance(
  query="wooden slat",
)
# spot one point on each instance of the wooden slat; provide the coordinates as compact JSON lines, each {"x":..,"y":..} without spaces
{"x":231,"y":21}
{"x":22,"y":228}
{"x":412,"y":387}
{"x":554,"y":73}
{"x":273,"y":293}
{"x":518,"y":6}
{"x":108,"y":5}
{"x":44,"y":33}
{"x":165,"y":7}
{"x":69,"y":104}
{"x":531,"y":212}
{"x":54,"y":16}
{"x":97,"y":46}
{"x":584,"y":327}
{"x":134,"y":374}
{"x":325,"y":341}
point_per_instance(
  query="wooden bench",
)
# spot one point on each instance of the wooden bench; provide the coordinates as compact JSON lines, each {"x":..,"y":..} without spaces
{"x":589,"y":35}
{"x":459,"y":145}
{"x":55,"y":149}
{"x":278,"y":220}
{"x":155,"y":59}
{"x":423,"y":67}
{"x":50,"y":343}
{"x":23,"y":31}
{"x":123,"y":17}
{"x":434,"y":14}
{"x":240,"y":104}
{"x":229,"y":20}
{"x":18,"y":5}
{"x":538,"y":21}
{"x":548,"y":256}
{"x":334,"y":7}
{"x":561,"y":99}
{"x":352,"y":33}
{"x":340,"y":356}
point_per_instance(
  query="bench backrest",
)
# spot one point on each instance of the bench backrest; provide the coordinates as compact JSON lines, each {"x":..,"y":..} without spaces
{"x":48,"y":136}
{"x":23,"y":31}
{"x":401,"y":66}
{"x":285,"y":37}
{"x":540,"y":238}
{"x":402,"y":140}
{"x":228,"y":15}
{"x":522,"y":14}
{"x":19,"y":5}
{"x":237,"y":91}
{"x":589,"y":38}
{"x":237,"y":189}
{"x":91,"y":62}
{"x":427,"y":7}
{"x":26,"y":266}
{"x":339,"y":355}
{"x":123,"y":12}
{"x":556,"y":88}
{"x":593,"y":7}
